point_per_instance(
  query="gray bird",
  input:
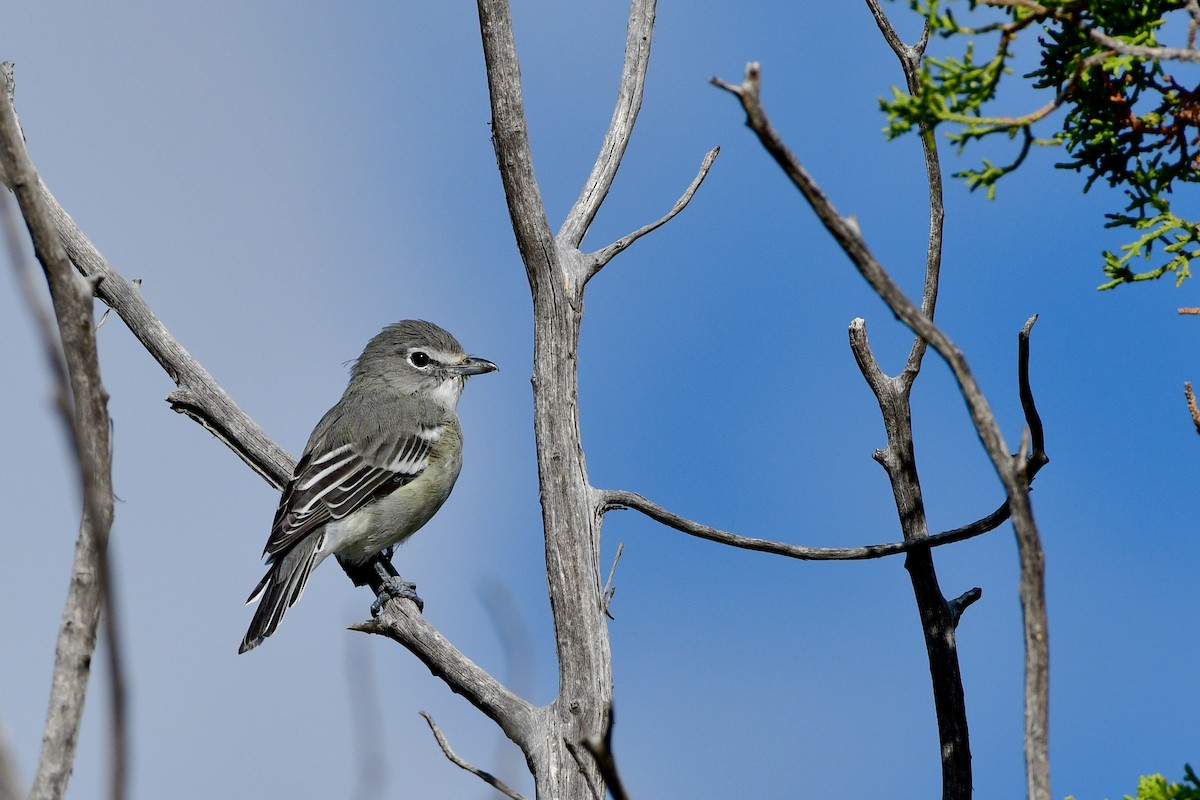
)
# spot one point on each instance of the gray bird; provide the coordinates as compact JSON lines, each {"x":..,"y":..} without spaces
{"x":378,"y":465}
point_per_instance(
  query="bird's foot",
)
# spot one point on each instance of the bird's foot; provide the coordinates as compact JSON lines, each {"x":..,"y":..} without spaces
{"x":394,"y":587}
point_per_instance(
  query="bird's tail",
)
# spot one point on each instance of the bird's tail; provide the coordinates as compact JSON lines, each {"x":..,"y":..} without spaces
{"x":279,"y":589}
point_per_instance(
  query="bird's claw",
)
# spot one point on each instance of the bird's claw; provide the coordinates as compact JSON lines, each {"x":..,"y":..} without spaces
{"x":394,"y":587}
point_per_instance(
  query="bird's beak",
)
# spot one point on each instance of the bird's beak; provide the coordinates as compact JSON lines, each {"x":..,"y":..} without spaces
{"x":474,"y":366}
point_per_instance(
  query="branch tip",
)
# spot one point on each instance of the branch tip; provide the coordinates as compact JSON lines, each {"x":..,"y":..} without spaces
{"x":1193,"y":409}
{"x":961,"y":603}
{"x":597,"y":260}
{"x":483,"y":775}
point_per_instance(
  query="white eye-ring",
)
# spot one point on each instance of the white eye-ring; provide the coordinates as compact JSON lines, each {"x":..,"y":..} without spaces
{"x":419,"y":359}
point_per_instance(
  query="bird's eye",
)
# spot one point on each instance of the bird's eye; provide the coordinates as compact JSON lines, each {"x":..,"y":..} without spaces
{"x":418,"y":359}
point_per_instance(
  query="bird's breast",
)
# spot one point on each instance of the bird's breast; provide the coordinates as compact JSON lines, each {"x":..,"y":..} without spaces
{"x":393,"y":518}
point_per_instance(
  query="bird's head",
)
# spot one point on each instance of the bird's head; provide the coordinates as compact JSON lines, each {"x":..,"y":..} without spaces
{"x":414,"y":357}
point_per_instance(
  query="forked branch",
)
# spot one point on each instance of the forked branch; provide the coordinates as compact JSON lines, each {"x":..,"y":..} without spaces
{"x":202,"y":398}
{"x":602,"y":256}
{"x":638,"y":35}
{"x":1010,"y":470}
{"x":458,"y":761}
{"x":617,"y":499}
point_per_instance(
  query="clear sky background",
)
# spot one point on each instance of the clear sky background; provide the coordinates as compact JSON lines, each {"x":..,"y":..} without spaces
{"x":288,"y":178}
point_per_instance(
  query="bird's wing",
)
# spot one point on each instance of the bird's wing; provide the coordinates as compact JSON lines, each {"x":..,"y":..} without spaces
{"x":336,"y":477}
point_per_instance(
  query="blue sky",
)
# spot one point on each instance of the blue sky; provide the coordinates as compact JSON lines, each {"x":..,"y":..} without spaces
{"x":286,"y":179}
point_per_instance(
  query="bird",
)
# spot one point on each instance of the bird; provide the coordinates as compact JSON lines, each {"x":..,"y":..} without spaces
{"x":376,"y":468}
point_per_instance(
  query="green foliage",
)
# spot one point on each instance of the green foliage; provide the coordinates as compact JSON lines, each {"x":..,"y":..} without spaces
{"x":1125,"y":120}
{"x":1156,"y":787}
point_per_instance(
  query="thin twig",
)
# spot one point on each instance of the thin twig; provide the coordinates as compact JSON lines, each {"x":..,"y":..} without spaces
{"x":609,"y":589}
{"x":614,"y":499}
{"x":1037,"y":455}
{"x":198,"y":395}
{"x":486,"y":777}
{"x":602,"y":256}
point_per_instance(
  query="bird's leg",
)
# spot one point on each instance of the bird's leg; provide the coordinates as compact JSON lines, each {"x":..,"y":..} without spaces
{"x":384,"y":580}
{"x":390,"y":585}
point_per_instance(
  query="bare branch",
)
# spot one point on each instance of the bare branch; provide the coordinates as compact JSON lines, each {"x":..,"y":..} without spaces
{"x":910,"y":55}
{"x":609,"y":589}
{"x":868,"y":365}
{"x":1191,"y":404}
{"x":557,"y":273}
{"x":1011,"y":474}
{"x":850,"y":239}
{"x":638,"y":35}
{"x":486,"y":777}
{"x":200,"y":397}
{"x":510,"y":138}
{"x":615,"y":499}
{"x":602,"y":256}
{"x":960,"y":604}
{"x":910,"y":63}
{"x":1037,"y":455}
{"x":1037,"y":650}
{"x":852,"y":243}
{"x":400,"y":622}
{"x":85,"y":416}
{"x":937,"y":616}
{"x":1033,"y":590}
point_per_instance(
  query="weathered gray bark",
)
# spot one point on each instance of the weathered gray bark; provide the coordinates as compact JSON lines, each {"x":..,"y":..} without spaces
{"x":83,"y":404}
{"x":553,"y":737}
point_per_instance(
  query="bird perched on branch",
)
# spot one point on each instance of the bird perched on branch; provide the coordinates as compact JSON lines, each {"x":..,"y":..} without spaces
{"x":378,"y":465}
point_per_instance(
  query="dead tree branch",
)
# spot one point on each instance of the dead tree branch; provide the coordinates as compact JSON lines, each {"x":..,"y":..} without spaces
{"x":556,"y":273}
{"x":639,"y":33}
{"x":483,"y":775}
{"x":572,"y":511}
{"x":1012,"y":472}
{"x":1193,"y":409}
{"x":400,"y":622}
{"x":605,"y":254}
{"x":939,"y":618}
{"x":200,"y":397}
{"x":83,"y":403}
{"x":616,"y":499}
